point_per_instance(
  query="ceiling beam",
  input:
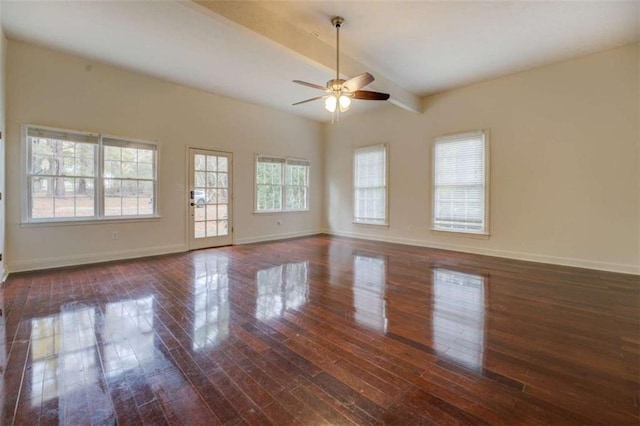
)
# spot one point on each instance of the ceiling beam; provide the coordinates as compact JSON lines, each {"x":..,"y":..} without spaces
{"x":269,"y":25}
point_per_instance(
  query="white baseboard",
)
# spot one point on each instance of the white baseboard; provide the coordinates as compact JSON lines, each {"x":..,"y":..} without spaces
{"x":56,"y":262}
{"x":3,"y":275}
{"x":531,"y":257}
{"x":274,"y":237}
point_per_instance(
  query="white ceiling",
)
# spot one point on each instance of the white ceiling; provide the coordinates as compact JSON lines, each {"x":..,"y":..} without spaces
{"x":413,"y":48}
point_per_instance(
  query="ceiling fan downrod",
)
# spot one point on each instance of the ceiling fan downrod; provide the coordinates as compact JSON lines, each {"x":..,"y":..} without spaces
{"x":337,"y":22}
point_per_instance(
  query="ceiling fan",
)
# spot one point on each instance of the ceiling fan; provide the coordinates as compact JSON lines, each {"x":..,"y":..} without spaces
{"x":339,"y":92}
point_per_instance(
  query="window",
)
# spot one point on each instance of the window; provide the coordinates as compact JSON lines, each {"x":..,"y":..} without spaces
{"x":460,"y":183}
{"x":282,"y":184}
{"x":74,"y":175}
{"x":370,"y":185}
{"x":129,"y":178}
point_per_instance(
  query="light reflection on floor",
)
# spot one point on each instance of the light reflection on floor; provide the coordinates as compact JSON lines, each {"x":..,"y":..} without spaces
{"x":127,"y":335}
{"x":281,"y":287}
{"x":69,"y":349}
{"x":369,"y":279}
{"x":211,"y":302}
{"x":458,"y":317}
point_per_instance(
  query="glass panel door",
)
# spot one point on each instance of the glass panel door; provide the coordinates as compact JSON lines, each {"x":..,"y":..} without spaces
{"x":209,"y":199}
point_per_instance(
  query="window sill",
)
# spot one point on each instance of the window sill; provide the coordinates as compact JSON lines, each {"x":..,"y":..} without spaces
{"x":474,"y":235}
{"x":280,"y":212}
{"x":45,"y":224}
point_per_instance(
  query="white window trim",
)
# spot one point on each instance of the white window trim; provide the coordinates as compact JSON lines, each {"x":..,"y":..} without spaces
{"x":487,"y":148}
{"x":99,"y":217}
{"x":386,"y":186}
{"x":283,"y":186}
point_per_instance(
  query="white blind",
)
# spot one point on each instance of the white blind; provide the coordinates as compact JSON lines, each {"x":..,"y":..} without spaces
{"x":124,"y":143}
{"x":297,"y":162}
{"x":61,"y":135}
{"x":370,"y":185}
{"x":272,"y":160}
{"x":459,"y":183}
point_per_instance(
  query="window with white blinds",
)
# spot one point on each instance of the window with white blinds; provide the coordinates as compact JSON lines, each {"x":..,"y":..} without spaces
{"x":282,"y":184}
{"x":75,"y":175}
{"x":370,"y":185}
{"x":460,"y":183}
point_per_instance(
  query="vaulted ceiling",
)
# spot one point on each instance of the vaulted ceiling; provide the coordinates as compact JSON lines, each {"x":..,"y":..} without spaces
{"x":251,"y":50}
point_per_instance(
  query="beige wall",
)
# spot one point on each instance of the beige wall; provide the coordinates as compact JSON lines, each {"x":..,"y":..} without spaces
{"x":564,"y":164}
{"x":58,"y":90}
{"x":564,"y":159}
{"x":3,"y":51}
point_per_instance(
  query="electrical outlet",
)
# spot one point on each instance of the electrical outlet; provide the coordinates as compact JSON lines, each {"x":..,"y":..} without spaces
{"x":114,"y":235}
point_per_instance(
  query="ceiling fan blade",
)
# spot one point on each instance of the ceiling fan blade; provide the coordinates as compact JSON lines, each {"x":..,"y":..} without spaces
{"x":309,"y":100}
{"x":313,"y":86}
{"x":370,"y":96}
{"x":358,"y":82}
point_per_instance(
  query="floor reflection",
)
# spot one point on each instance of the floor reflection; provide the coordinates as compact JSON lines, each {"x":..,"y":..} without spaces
{"x":281,"y":287}
{"x":127,"y":335}
{"x":369,"y":279}
{"x":211,"y":302}
{"x":63,"y":353}
{"x":70,"y":350}
{"x":458,"y":317}
{"x":65,"y":365}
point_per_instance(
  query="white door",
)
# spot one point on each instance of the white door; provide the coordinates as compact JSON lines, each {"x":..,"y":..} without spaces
{"x":210,"y":194}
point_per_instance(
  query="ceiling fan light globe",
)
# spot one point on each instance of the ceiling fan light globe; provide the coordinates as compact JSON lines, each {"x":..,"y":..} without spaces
{"x":345,"y":102}
{"x":331,"y":103}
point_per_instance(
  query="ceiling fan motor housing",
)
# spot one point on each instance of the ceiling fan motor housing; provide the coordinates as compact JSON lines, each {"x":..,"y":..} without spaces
{"x":335,"y":84}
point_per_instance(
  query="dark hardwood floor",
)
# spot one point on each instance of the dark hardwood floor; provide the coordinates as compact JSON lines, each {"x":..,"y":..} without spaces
{"x":320,"y":330}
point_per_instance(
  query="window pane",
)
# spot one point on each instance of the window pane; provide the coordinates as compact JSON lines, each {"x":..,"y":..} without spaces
{"x":112,"y":153}
{"x":212,"y":164}
{"x":145,"y":156}
{"x":223,"y":180}
{"x":296,"y":198}
{"x":222,"y":164}
{"x":199,"y":230}
{"x":223,"y":227}
{"x":281,"y":184}
{"x":200,"y":162}
{"x":212,"y":212}
{"x":459,"y":184}
{"x":145,"y":171}
{"x":212,"y":228}
{"x":42,"y":207}
{"x":112,"y":200}
{"x":222,"y":196}
{"x":55,"y":193}
{"x":269,"y":197}
{"x":129,"y":178}
{"x":211,"y":180}
{"x":370,"y":191}
{"x":145,"y":197}
{"x":223,"y":210}
{"x":370,"y":167}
